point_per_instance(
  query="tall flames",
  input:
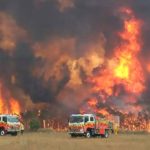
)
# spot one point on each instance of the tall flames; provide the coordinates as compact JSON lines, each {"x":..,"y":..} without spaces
{"x":122,"y":79}
{"x":124,"y":69}
{"x":128,"y":69}
{"x":60,"y":76}
{"x":10,"y":106}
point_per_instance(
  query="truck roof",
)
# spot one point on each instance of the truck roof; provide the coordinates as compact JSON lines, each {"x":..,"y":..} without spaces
{"x":8,"y":115}
{"x":82,"y":115}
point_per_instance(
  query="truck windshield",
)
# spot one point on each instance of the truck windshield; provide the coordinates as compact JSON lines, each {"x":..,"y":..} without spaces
{"x":13,"y":119}
{"x":76,"y":119}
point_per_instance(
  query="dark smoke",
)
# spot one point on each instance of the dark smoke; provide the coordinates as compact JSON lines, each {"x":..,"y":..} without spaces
{"x":46,"y":20}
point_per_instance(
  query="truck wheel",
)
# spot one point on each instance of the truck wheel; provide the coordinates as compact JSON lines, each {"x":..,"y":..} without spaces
{"x":73,"y":135}
{"x":88,"y":134}
{"x":14,"y":134}
{"x":2,"y":132}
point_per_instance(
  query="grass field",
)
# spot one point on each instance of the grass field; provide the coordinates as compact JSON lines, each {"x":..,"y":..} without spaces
{"x":61,"y":141}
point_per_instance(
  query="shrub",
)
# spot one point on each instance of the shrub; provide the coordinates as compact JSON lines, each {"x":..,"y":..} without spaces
{"x":34,"y":125}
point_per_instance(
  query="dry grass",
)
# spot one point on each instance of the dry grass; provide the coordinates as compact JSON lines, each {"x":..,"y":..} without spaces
{"x":61,"y":141}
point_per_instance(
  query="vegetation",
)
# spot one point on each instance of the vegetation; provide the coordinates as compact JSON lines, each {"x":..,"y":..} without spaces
{"x":34,"y":124}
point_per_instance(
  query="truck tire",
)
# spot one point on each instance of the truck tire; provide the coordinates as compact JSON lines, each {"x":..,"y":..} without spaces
{"x":14,"y":133}
{"x":2,"y":132}
{"x":73,"y":135}
{"x":88,"y":134}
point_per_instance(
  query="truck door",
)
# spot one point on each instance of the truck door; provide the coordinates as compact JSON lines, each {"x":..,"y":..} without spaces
{"x":89,"y":122}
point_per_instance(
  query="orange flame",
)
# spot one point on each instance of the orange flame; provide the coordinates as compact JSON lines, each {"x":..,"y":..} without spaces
{"x":129,"y":68}
{"x":148,"y":67}
{"x":1,"y":105}
{"x":14,"y":106}
{"x":10,"y":106}
{"x":103,"y":111}
{"x":124,"y":68}
{"x":92,"y":102}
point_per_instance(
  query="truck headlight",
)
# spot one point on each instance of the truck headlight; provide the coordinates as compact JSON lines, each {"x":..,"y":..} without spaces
{"x":81,"y":130}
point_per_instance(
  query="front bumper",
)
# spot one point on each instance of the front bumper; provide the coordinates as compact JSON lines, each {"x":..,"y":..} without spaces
{"x":13,"y":130}
{"x":75,"y":131}
{"x":71,"y":132}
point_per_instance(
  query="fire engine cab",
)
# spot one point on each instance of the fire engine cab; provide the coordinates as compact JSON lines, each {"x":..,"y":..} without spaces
{"x":89,"y":125}
{"x":9,"y":124}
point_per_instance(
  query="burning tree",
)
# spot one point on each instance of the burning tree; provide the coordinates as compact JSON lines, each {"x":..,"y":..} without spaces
{"x":122,"y":80}
{"x":60,"y":59}
{"x":9,"y":105}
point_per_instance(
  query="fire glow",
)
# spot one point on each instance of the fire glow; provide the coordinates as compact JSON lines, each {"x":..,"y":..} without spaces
{"x":59,"y":77}
{"x":124,"y":68}
{"x":12,"y":106}
{"x":123,"y":71}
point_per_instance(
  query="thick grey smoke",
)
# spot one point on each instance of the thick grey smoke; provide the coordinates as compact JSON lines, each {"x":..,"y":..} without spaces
{"x":49,"y":47}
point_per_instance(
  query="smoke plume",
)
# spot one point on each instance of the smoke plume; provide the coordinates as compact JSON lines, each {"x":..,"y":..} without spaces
{"x":50,"y":48}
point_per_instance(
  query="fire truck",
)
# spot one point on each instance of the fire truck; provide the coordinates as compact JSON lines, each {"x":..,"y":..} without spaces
{"x":9,"y":124}
{"x":89,"y":125}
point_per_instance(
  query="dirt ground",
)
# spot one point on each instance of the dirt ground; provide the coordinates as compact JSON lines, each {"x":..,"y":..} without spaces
{"x":62,"y":141}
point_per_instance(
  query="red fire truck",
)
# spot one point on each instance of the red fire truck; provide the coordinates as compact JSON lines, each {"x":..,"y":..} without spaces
{"x":89,"y":125}
{"x":9,"y":124}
